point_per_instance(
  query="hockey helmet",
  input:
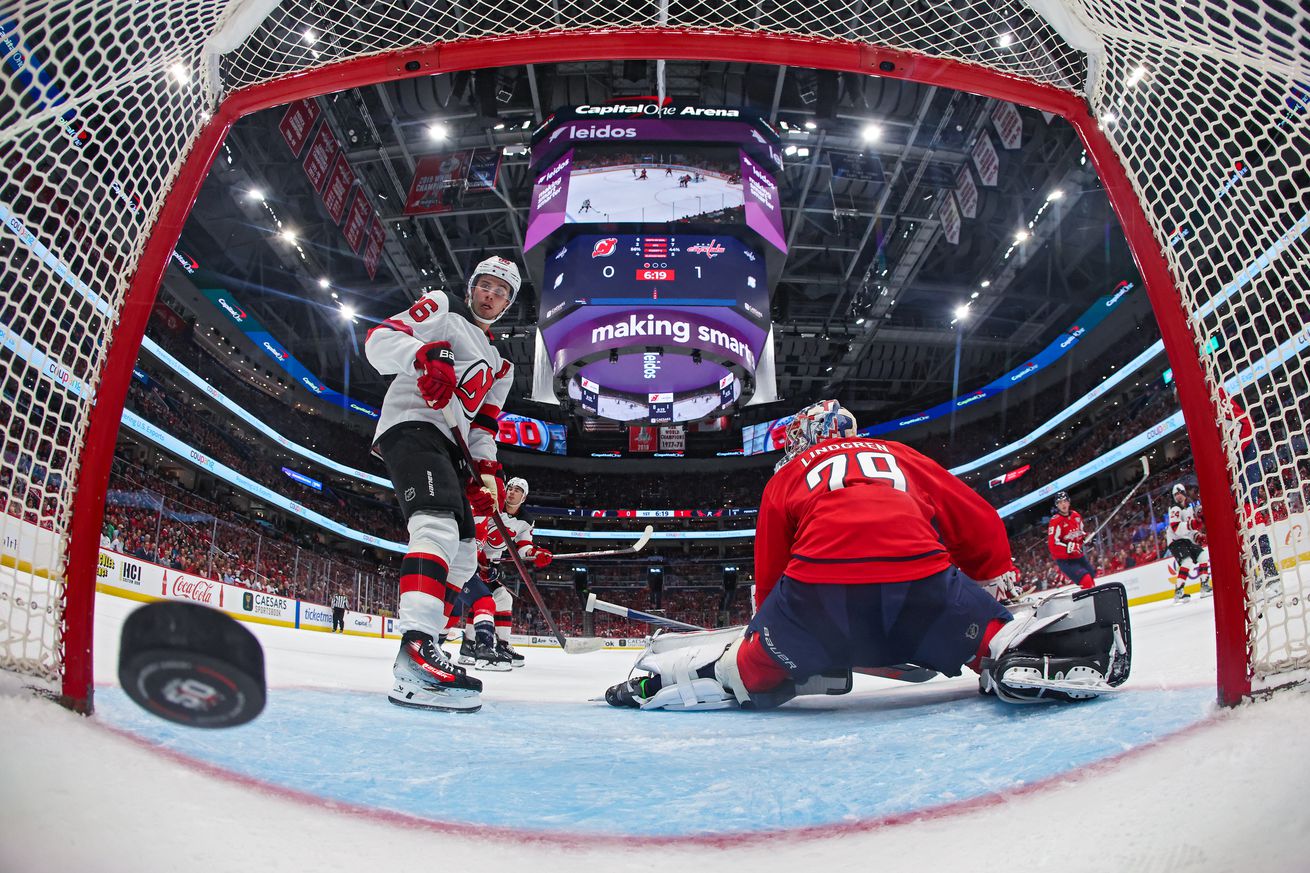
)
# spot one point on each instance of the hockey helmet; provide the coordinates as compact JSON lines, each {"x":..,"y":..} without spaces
{"x":814,"y":424}
{"x":503,"y":269}
{"x":518,"y":482}
{"x":1061,"y":495}
{"x":1180,"y":488}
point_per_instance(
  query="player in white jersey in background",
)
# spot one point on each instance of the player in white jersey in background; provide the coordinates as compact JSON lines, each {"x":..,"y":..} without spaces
{"x":441,"y":354}
{"x":491,"y":544}
{"x":1182,"y":536}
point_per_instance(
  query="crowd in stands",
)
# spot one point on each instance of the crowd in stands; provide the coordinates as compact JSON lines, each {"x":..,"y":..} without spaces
{"x":198,"y":535}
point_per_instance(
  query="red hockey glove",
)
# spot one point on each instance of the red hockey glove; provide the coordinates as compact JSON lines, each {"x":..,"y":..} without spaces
{"x":435,"y":363}
{"x":493,"y":479}
{"x":542,"y":558}
{"x":479,"y":498}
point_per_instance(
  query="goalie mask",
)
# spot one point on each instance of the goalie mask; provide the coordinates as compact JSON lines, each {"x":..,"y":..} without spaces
{"x":505,"y":270}
{"x":812,"y":425}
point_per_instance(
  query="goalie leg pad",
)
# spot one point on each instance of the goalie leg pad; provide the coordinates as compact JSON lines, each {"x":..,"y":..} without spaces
{"x":1055,"y":648}
{"x":694,"y":676}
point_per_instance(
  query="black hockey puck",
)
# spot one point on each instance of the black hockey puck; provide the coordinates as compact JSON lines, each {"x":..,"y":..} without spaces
{"x":192,"y":665}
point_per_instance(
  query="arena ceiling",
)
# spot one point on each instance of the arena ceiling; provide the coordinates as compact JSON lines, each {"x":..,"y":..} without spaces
{"x":869,"y":289}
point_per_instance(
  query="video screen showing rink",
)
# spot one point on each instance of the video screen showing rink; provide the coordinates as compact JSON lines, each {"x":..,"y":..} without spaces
{"x":640,"y":192}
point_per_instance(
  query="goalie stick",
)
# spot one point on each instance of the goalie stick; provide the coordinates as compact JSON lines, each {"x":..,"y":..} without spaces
{"x":574,"y":645}
{"x":629,"y":550}
{"x":899,"y":672}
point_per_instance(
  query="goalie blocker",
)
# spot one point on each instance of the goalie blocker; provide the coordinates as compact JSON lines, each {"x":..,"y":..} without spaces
{"x":1075,"y":646}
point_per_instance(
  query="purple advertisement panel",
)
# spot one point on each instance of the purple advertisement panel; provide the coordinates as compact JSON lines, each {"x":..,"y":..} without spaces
{"x":763,"y":205}
{"x":550,"y":194}
{"x":606,"y":131}
{"x":722,"y":333}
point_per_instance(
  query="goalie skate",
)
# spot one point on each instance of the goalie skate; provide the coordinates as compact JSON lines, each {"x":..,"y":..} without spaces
{"x":1030,"y":679}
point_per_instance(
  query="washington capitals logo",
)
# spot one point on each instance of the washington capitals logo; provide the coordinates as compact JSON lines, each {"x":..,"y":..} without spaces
{"x":604,"y":247}
{"x":709,"y":249}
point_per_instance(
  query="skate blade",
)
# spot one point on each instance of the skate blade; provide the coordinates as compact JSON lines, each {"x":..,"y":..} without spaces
{"x":464,"y":661}
{"x":492,"y":667}
{"x":1036,"y":684}
{"x":445,"y":700}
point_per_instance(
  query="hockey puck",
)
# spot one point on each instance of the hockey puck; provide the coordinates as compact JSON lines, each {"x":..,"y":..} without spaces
{"x":191,"y":665}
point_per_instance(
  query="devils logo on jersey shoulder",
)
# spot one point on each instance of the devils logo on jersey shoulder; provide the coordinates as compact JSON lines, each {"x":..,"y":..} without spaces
{"x":474,"y":385}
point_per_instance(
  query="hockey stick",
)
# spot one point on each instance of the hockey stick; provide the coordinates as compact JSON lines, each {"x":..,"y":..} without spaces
{"x":1146,"y":472}
{"x":574,"y":646}
{"x":899,"y":672}
{"x":594,"y":603}
{"x":635,"y":547}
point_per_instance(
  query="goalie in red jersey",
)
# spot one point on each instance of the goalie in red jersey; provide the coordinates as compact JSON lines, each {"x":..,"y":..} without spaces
{"x":866,"y":556}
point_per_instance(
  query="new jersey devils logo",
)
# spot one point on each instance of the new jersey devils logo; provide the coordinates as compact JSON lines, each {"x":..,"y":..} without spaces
{"x":604,"y":247}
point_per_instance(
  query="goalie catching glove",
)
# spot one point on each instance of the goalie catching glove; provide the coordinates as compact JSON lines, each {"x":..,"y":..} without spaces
{"x":435,"y":363}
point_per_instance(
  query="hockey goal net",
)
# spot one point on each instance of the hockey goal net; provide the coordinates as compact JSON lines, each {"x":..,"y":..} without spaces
{"x":1193,"y":111}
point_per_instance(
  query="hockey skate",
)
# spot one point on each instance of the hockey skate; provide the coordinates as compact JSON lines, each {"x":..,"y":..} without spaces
{"x":425,"y":678}
{"x":488,"y":657}
{"x":507,"y":651}
{"x":466,"y":657}
{"x":1072,"y":648}
{"x":1180,"y":593}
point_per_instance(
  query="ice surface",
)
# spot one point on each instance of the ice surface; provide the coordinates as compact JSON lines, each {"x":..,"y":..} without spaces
{"x":891,"y":777}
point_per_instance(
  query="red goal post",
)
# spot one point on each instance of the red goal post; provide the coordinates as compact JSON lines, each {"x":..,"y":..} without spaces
{"x":130,"y":102}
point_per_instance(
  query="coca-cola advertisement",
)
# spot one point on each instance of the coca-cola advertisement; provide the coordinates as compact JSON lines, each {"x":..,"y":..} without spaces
{"x":194,"y":588}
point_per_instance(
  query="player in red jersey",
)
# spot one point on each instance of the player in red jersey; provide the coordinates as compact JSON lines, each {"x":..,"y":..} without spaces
{"x":866,"y":554}
{"x":1064,"y":539}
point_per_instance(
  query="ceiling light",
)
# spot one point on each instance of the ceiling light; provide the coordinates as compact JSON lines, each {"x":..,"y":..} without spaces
{"x":810,"y":125}
{"x":789,"y":150}
{"x":1021,"y":236}
{"x":802,"y":153}
{"x":309,"y":36}
{"x":288,"y":235}
{"x":324,"y":283}
{"x":985,"y":283}
{"x":1004,"y":40}
{"x":180,"y":73}
{"x":962,"y":311}
{"x":436,"y":131}
{"x":255,"y":194}
{"x":1057,"y":194}
{"x":973,"y":296}
{"x":1136,"y":76}
{"x":1109,"y":118}
{"x":347,"y":312}
{"x":871,"y":132}
{"x":500,"y":126}
{"x":334,"y":295}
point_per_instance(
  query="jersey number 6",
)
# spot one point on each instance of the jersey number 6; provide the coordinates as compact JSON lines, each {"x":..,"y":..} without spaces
{"x":873,"y":465}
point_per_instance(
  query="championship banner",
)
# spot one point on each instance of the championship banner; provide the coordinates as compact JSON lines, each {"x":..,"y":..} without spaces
{"x":643,"y":439}
{"x":297,"y":122}
{"x":339,"y":183}
{"x":986,"y":160}
{"x":950,"y":216}
{"x":318,"y":160}
{"x":966,"y":192}
{"x":1009,"y":126}
{"x":673,"y":439}
{"x":377,"y":236}
{"x":438,"y":181}
{"x":484,"y":170}
{"x":357,"y":220}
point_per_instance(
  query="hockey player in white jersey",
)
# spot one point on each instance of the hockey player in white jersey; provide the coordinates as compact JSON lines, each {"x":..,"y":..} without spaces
{"x":491,"y":544}
{"x":441,"y":354}
{"x":1181,"y":537}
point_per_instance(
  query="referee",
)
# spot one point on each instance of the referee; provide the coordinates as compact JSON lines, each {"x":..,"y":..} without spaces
{"x":339,"y":604}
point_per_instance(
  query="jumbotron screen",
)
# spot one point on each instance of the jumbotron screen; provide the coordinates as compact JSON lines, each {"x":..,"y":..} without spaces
{"x":647,"y":269}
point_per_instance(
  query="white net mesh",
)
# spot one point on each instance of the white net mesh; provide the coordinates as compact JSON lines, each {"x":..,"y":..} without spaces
{"x":100,"y":102}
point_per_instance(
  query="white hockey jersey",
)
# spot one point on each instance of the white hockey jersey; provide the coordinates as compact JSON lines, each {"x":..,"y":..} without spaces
{"x":490,"y":542}
{"x":483,"y":377}
{"x":1183,"y":524}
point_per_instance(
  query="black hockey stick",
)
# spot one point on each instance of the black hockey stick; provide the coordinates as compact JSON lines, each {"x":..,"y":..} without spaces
{"x":575,"y":645}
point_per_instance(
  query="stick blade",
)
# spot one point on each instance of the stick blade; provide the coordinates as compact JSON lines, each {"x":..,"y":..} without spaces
{"x":645,"y":538}
{"x":583,"y":645}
